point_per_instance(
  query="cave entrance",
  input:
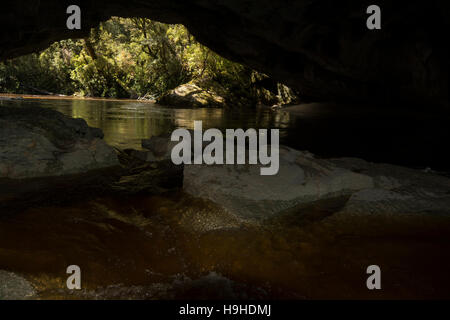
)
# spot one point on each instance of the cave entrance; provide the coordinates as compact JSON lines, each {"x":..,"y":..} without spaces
{"x":138,"y":58}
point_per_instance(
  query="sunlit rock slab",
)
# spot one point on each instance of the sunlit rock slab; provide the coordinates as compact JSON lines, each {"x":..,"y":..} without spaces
{"x":301,"y":179}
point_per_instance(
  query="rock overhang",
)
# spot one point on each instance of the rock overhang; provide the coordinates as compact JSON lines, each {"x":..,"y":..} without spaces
{"x":321,"y":48}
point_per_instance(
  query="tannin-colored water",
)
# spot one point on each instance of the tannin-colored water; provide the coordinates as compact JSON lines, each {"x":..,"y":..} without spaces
{"x":155,"y":248}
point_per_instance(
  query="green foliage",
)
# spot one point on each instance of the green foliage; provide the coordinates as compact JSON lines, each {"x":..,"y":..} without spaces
{"x":129,"y":58}
{"x":44,"y":73}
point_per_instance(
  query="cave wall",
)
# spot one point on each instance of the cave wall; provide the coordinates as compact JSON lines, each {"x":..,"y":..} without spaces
{"x":320,"y":47}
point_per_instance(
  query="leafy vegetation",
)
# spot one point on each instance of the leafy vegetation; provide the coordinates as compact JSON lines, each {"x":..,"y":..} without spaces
{"x":131,"y":58}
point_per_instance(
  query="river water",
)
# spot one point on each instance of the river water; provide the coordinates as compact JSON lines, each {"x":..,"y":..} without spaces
{"x":149,"y":247}
{"x":126,"y":123}
{"x":408,"y":137}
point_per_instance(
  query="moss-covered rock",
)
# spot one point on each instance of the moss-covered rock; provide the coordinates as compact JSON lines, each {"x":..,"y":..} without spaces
{"x":190,"y":95}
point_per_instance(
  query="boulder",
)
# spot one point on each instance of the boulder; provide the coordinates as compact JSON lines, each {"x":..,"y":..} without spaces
{"x":49,"y":158}
{"x":15,"y":287}
{"x":397,"y":190}
{"x":191,"y":95}
{"x":37,"y":142}
{"x":302,"y":179}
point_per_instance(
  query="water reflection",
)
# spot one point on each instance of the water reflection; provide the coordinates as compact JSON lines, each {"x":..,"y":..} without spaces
{"x":399,"y":136}
{"x":126,"y":123}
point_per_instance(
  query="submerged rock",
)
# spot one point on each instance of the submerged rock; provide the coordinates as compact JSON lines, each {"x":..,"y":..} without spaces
{"x":191,"y":95}
{"x":37,"y":142}
{"x":14,"y":287}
